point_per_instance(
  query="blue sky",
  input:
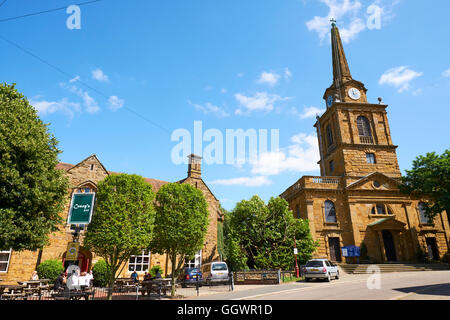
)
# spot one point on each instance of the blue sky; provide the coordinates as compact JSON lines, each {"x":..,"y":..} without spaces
{"x":231,"y":64}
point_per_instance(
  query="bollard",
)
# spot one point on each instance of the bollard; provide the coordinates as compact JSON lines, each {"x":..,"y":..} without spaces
{"x":196,"y":286}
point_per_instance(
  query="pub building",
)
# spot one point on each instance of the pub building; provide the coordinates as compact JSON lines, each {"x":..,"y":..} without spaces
{"x":83,"y":180}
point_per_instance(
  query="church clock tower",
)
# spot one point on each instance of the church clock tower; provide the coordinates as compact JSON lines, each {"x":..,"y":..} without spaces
{"x":354,"y":135}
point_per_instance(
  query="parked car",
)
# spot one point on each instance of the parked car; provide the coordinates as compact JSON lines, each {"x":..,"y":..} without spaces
{"x":320,"y":269}
{"x":189,"y":277}
{"x":215,"y":272}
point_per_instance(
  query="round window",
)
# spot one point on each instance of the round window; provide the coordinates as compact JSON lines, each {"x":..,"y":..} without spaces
{"x":376,"y":184}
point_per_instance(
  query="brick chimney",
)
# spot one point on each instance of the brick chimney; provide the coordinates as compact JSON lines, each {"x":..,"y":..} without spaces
{"x":195,"y":166}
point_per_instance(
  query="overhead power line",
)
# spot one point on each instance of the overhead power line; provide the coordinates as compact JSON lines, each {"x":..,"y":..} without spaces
{"x":45,"y":11}
{"x":70,"y":77}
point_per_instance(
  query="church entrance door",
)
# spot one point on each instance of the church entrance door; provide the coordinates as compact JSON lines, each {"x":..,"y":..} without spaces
{"x":335,"y":249}
{"x":389,"y":245}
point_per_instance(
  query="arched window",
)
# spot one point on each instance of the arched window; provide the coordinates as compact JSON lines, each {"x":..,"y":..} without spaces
{"x":422,"y":213}
{"x":330,"y":212}
{"x":329,"y":136}
{"x":365,"y":133}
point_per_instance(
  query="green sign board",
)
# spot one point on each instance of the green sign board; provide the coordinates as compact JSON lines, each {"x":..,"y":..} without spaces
{"x":81,"y":208}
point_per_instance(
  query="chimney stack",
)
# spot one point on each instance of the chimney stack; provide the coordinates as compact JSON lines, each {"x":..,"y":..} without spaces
{"x":195,"y":166}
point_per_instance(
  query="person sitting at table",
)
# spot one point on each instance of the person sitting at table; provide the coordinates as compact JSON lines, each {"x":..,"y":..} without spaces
{"x":147,"y":276}
{"x":34,"y":276}
{"x":135,"y":277}
{"x":83,"y":280}
{"x":157,"y":275}
{"x":60,"y":282}
{"x":89,"y":279}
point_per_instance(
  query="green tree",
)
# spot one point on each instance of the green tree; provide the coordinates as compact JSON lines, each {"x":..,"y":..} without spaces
{"x":32,"y":191}
{"x":261,"y":236}
{"x":181,"y":224}
{"x":122,"y":223}
{"x":430,"y":178}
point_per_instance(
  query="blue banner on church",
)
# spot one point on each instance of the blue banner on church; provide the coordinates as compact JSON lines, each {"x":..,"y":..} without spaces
{"x":351,"y":251}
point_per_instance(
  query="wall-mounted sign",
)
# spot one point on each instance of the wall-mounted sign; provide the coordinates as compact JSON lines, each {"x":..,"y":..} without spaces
{"x":72,"y":251}
{"x":351,"y":251}
{"x":81,"y":208}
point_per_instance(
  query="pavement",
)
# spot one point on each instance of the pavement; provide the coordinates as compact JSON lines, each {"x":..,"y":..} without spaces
{"x":422,"y":285}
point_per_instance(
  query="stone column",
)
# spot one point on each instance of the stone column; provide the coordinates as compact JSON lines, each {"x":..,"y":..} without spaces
{"x":382,"y":249}
{"x":354,"y":223}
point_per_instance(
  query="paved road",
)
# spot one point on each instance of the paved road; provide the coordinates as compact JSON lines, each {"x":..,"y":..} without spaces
{"x":424,"y":285}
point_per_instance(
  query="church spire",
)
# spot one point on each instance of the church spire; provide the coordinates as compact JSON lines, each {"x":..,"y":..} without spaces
{"x":341,"y":71}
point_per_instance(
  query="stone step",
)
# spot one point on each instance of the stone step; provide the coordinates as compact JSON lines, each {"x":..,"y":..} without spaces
{"x":388,"y":268}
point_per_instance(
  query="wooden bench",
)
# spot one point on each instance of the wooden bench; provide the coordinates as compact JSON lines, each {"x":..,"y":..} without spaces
{"x":157,"y":287}
{"x":74,"y":294}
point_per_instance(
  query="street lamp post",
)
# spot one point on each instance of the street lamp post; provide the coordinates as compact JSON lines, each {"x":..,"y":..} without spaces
{"x":295,"y":254}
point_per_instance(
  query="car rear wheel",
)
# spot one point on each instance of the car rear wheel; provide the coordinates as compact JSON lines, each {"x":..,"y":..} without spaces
{"x":337,"y":276}
{"x":328,"y":278}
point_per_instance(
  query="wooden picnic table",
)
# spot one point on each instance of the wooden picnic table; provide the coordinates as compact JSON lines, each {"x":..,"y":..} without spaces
{"x":157,"y":286}
{"x":13,"y":292}
{"x":125,"y":285}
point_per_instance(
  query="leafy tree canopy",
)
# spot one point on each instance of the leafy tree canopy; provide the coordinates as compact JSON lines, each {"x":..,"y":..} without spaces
{"x":181,"y":224}
{"x":261,"y":236}
{"x":32,"y":191}
{"x":123,"y":220}
{"x":430,"y":178}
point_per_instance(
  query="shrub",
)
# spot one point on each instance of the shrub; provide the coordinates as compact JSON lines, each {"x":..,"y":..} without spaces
{"x":154,"y":268}
{"x":101,"y":274}
{"x":50,"y":269}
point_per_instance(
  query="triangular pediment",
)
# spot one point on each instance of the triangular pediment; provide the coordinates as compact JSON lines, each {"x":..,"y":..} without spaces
{"x":387,"y":224}
{"x":374,"y":181}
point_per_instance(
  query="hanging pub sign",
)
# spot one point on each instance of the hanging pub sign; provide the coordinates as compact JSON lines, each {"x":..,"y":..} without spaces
{"x":72,"y":251}
{"x":81,"y":208}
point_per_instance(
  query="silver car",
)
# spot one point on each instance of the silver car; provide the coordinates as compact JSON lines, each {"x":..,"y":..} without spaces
{"x":320,"y":269}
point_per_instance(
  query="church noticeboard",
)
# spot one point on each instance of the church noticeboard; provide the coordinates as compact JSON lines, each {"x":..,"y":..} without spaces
{"x":72,"y":251}
{"x":81,"y":208}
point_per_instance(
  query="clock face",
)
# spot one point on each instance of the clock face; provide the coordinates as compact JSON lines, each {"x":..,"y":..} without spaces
{"x":354,"y":93}
{"x":330,"y":101}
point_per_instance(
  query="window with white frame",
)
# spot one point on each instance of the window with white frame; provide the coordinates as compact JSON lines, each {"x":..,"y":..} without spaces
{"x":5,"y":256}
{"x":196,"y":262}
{"x":140,"y":262}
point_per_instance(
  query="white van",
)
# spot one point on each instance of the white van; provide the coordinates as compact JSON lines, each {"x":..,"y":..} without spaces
{"x":215,"y":272}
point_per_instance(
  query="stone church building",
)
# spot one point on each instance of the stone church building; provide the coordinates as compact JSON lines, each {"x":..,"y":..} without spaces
{"x":356,"y":199}
{"x":83,"y":178}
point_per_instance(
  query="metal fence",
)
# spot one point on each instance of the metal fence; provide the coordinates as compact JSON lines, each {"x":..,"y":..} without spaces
{"x":130,"y":293}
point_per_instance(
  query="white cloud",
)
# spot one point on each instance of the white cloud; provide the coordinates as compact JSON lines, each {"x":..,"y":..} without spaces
{"x":308,"y":112}
{"x":99,"y":75}
{"x":446,"y":73}
{"x":115,"y":103}
{"x":223,"y":91}
{"x":399,"y":77}
{"x":257,"y":181}
{"x":89,"y":103}
{"x":269,"y":78}
{"x":339,"y":10}
{"x":287,"y":73}
{"x":48,"y":107}
{"x":301,"y":156}
{"x":261,"y":101}
{"x":77,"y":78}
{"x":210,"y":108}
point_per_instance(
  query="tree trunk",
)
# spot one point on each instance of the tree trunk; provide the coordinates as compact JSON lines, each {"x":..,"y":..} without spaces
{"x":112,"y":279}
{"x":174,"y":261}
